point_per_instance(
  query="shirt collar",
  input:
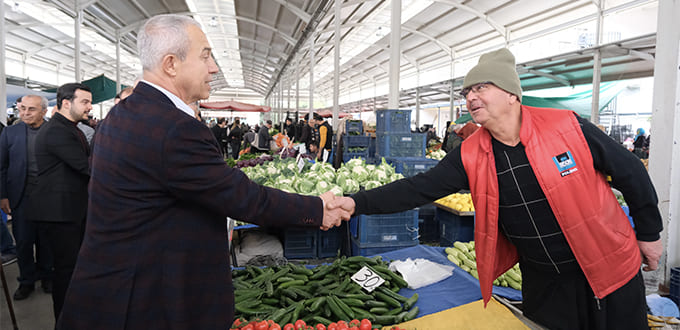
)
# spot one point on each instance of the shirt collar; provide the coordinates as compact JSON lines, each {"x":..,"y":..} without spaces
{"x":175,"y":100}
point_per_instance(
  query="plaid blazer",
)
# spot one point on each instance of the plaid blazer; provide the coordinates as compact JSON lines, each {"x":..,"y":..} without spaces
{"x":155,"y":252}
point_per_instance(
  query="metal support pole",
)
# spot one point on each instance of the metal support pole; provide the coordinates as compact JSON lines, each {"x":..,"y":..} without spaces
{"x":117,"y":61}
{"x":597,"y":66}
{"x":452,"y":98}
{"x":311,"y":75}
{"x":3,"y":74}
{"x":395,"y":55}
{"x":336,"y":65}
{"x":297,"y":86}
{"x":664,"y":155}
{"x":78,"y":22}
{"x":417,"y":107}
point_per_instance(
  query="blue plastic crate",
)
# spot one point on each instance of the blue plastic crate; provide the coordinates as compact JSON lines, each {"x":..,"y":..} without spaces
{"x":328,"y":242}
{"x":346,"y":155}
{"x":393,"y":121}
{"x":350,"y":141}
{"x":428,"y":227}
{"x":300,"y":243}
{"x":385,"y":228}
{"x":453,"y":227}
{"x":359,"y":249}
{"x":626,"y":211}
{"x":410,"y":166}
{"x":400,"y":145}
{"x":354,"y":126}
{"x":372,"y":147}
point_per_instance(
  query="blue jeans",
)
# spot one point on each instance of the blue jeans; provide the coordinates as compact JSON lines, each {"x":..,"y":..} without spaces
{"x":6,"y":240}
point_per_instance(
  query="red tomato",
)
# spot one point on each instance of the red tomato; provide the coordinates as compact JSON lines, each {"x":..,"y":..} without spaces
{"x":237,"y":323}
{"x":274,"y":327}
{"x":248,"y":327}
{"x":332,"y":326}
{"x":365,"y":325}
{"x":341,"y":322}
{"x":342,"y":326}
{"x":320,"y":327}
{"x":270,"y":322}
{"x":300,"y":324}
{"x":289,"y":326}
{"x":354,"y":328}
{"x":354,"y":323}
{"x":262,"y":325}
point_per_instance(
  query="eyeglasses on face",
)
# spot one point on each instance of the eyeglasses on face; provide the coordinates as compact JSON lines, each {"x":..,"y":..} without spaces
{"x":477,"y":88}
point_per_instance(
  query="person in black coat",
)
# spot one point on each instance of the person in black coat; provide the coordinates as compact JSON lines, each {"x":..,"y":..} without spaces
{"x":220,"y":133}
{"x":290,"y":129}
{"x":59,"y":201}
{"x":235,"y":137}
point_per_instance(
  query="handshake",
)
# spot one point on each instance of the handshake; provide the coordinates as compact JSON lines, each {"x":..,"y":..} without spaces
{"x":335,"y":210}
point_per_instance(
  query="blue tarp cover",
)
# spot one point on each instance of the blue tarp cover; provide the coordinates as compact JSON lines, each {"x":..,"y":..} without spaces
{"x":458,"y":289}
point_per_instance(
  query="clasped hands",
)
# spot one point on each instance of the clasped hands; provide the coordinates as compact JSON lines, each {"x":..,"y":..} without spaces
{"x":335,"y":210}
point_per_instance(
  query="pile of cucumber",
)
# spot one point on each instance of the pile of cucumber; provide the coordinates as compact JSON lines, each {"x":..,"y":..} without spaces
{"x":322,"y":294}
{"x":463,"y":255}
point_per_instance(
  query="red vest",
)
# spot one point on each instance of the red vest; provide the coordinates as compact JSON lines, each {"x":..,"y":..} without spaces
{"x":593,"y":223}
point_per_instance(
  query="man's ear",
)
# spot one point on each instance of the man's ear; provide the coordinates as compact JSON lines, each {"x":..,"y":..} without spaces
{"x":169,"y":64}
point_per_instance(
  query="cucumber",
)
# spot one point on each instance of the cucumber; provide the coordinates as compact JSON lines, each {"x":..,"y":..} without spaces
{"x":291,"y":283}
{"x":352,"y":302}
{"x":394,"y":311}
{"x":375,"y":303}
{"x":379,"y":310}
{"x":389,"y":300}
{"x":392,"y":294}
{"x":316,"y":304}
{"x":302,"y":270}
{"x":410,"y":315}
{"x":348,"y":311}
{"x":321,"y":319}
{"x":384,"y":319}
{"x":410,"y":301}
{"x":284,"y":279}
{"x":335,"y":309}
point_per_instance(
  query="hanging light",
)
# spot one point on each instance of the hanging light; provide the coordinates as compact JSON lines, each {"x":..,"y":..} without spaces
{"x":212,"y":22}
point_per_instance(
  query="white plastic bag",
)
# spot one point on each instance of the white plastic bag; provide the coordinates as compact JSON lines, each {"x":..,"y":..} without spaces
{"x":421,"y":272}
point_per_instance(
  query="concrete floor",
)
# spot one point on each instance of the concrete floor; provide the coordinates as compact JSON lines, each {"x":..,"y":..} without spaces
{"x":32,"y":313}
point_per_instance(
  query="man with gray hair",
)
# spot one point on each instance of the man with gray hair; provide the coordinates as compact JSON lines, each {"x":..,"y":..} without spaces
{"x":155,"y":253}
{"x":18,"y":179}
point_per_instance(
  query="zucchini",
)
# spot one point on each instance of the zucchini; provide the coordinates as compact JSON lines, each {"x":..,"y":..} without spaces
{"x":348,"y":311}
{"x":389,"y":300}
{"x":335,"y":309}
{"x":375,"y":303}
{"x":379,"y":310}
{"x":352,"y":302}
{"x":291,"y":283}
{"x":392,"y":294}
{"x":410,"y":315}
{"x":410,"y":301}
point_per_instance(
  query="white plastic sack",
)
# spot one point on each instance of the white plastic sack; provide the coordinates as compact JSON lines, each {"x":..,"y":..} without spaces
{"x":256,"y":243}
{"x":421,"y":272}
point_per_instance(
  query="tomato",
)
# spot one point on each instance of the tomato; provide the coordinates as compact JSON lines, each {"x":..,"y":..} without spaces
{"x":300,"y":324}
{"x":248,"y":327}
{"x":354,"y":323}
{"x":365,"y":325}
{"x":274,"y":326}
{"x":343,"y":326}
{"x":237,"y":323}
{"x":332,"y":326}
{"x":262,"y":325}
{"x":271,"y":322}
{"x":354,"y":328}
{"x":289,"y":326}
{"x":320,"y":327}
{"x":341,"y":322}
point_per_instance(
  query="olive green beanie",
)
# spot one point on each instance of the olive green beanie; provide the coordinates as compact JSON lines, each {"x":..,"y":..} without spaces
{"x":497,"y":67}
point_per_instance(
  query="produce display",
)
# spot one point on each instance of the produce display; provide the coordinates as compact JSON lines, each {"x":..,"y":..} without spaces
{"x":318,"y":178}
{"x":660,"y":322}
{"x":292,"y":293}
{"x":463,"y":255}
{"x":457,"y":201}
{"x":436,"y":154}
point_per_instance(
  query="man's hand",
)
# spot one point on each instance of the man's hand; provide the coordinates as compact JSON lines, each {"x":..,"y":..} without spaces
{"x":651,"y":252}
{"x":345,"y":203}
{"x":332,"y":215}
{"x":4,"y":205}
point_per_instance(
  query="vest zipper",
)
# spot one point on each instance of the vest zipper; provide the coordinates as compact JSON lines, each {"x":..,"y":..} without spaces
{"x":597,"y":300}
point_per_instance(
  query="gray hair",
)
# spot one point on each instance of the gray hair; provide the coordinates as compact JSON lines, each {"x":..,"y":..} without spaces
{"x":162,"y":35}
{"x":43,"y":100}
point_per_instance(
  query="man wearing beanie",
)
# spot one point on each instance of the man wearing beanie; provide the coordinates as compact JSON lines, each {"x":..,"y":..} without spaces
{"x":537,"y":179}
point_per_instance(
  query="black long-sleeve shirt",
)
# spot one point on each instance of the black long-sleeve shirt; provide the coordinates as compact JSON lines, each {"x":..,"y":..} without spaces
{"x":627,"y":172}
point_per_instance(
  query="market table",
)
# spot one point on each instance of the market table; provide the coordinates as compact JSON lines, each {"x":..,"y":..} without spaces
{"x":458,"y":289}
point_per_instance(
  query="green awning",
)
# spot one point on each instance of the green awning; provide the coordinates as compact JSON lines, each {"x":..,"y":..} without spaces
{"x":102,"y":88}
{"x":579,"y":102}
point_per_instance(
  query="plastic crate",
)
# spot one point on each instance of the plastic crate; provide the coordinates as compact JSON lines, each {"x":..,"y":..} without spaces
{"x":300,"y":243}
{"x":346,"y":155}
{"x":354,"y":126}
{"x":410,"y":166}
{"x":328,"y":242}
{"x":674,"y":293}
{"x":626,"y":211}
{"x":454,"y":227}
{"x":400,"y":145}
{"x":385,"y":228}
{"x":428,"y":227}
{"x":394,"y":121}
{"x":350,"y":141}
{"x":359,"y":249}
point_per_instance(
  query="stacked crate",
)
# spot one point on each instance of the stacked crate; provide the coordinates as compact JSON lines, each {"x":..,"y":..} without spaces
{"x":311,"y":243}
{"x":394,"y":137}
{"x":378,"y":233}
{"x":354,"y":141}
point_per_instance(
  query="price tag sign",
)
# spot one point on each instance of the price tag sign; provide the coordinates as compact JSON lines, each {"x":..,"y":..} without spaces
{"x":300,"y":163}
{"x":367,"y":279}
